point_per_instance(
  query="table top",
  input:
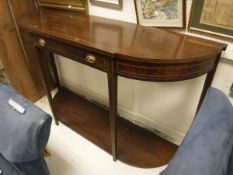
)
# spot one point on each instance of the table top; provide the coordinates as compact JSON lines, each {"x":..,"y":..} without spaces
{"x":122,"y":39}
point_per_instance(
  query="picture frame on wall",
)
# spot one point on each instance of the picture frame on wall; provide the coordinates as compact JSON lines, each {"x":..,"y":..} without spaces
{"x":77,"y":5}
{"x":112,"y":4}
{"x":161,"y":13}
{"x":212,"y":17}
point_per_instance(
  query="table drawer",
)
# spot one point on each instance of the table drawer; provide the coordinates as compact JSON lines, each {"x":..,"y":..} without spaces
{"x":79,"y":54}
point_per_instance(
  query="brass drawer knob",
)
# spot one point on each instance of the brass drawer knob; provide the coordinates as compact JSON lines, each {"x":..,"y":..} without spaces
{"x":42,"y":42}
{"x":90,"y":58}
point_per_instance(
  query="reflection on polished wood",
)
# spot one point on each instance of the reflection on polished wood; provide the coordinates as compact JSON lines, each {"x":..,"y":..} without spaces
{"x":125,"y":49}
{"x":137,"y":43}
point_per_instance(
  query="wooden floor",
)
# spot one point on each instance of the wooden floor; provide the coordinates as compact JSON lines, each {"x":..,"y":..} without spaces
{"x":136,"y":146}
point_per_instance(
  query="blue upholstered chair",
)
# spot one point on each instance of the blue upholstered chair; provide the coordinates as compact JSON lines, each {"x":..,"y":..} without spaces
{"x":207,"y":148}
{"x":23,"y":137}
{"x":8,"y":168}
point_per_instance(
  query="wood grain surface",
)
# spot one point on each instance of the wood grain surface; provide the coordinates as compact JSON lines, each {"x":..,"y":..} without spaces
{"x":11,"y":53}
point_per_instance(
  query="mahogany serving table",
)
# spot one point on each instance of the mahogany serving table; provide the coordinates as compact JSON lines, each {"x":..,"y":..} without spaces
{"x":119,"y":49}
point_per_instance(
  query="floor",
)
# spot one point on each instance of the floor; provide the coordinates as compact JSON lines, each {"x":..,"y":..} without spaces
{"x":71,"y":154}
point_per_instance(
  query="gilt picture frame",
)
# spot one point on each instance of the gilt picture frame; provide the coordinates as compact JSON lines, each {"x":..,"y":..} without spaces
{"x":76,"y":5}
{"x":212,"y":17}
{"x":112,"y":4}
{"x":161,"y":13}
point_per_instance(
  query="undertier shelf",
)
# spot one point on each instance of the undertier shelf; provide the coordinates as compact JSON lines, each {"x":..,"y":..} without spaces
{"x":135,"y":146}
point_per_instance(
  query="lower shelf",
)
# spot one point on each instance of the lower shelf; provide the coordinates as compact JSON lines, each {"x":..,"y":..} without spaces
{"x":136,"y":146}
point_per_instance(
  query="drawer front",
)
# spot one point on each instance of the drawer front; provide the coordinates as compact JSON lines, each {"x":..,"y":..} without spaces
{"x":76,"y":53}
{"x":163,"y":71}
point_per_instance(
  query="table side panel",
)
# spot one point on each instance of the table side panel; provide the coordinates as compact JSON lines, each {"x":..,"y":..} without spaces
{"x":163,"y":72}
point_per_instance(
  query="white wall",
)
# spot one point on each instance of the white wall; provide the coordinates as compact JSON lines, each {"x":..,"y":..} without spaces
{"x":166,"y":107}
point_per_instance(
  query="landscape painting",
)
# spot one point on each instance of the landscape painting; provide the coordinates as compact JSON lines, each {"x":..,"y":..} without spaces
{"x":214,"y":17}
{"x":218,"y":13}
{"x":161,"y":13}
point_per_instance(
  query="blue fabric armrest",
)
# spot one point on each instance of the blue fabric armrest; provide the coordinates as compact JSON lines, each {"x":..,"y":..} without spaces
{"x":230,"y":164}
{"x":7,"y":168}
{"x":23,"y":136}
{"x":207,"y":147}
{"x":34,"y":167}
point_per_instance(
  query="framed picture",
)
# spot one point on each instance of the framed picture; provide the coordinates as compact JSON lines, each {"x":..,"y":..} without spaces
{"x":79,"y":5}
{"x":113,"y":4}
{"x":213,"y":17}
{"x":161,"y":13}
